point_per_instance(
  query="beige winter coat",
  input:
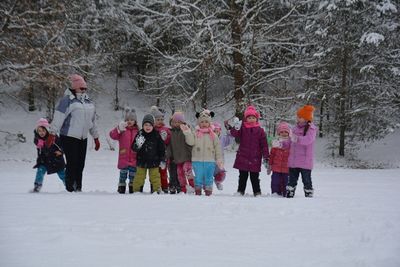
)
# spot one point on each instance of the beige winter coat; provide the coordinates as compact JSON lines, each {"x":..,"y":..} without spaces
{"x":204,"y":149}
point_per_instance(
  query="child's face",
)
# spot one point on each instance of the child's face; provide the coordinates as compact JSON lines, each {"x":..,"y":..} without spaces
{"x":284,"y":134}
{"x":41,"y":131}
{"x":147,"y":127}
{"x":204,"y":124}
{"x":251,"y":119}
{"x":130,"y":122}
{"x":159,"y":121}
{"x":176,"y":124}
{"x":300,"y":120}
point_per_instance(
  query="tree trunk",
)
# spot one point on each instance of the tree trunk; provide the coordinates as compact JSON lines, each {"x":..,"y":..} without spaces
{"x":116,"y":100}
{"x":321,"y":118}
{"x":31,"y":98}
{"x":238,"y":63}
{"x":343,"y":96}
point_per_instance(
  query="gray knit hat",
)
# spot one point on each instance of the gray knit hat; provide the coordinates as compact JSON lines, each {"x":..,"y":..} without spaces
{"x":148,"y":118}
{"x":155,"y":111}
{"x":130,"y":114}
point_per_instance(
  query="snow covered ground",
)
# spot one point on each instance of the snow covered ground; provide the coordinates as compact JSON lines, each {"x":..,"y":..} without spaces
{"x":353,"y":220}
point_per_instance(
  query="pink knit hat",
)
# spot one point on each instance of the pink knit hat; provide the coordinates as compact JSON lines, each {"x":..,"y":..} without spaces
{"x":251,"y":111}
{"x":283,"y":127}
{"x":216,"y":125}
{"x":178,"y":116}
{"x":77,"y":81}
{"x":42,"y":122}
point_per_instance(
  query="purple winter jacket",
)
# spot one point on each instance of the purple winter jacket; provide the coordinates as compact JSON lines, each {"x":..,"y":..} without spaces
{"x":253,"y":147}
{"x":302,"y":152}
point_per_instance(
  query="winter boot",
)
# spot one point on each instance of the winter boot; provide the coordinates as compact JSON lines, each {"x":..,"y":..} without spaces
{"x":121,"y":188}
{"x":36,"y":188}
{"x":197,"y":191}
{"x":219,"y":186}
{"x":257,"y":194}
{"x":290,"y":191}
{"x":309,"y":192}
{"x":208,"y":192}
{"x":130,"y":187}
{"x":172,"y":190}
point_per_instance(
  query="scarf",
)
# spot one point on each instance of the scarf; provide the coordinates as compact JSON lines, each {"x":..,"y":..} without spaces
{"x":251,"y":124}
{"x":201,"y":131}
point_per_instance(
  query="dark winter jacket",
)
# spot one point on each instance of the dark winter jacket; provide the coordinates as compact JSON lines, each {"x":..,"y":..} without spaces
{"x":150,"y":149}
{"x":253,"y":147}
{"x":47,"y":157}
{"x":178,"y":150}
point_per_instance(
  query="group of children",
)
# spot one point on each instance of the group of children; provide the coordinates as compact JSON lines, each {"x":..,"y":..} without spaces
{"x":194,"y":158}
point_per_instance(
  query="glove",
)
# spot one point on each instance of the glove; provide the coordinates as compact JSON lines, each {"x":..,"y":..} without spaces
{"x":276,"y":143}
{"x":237,"y":123}
{"x":50,"y":140}
{"x":40,"y":143}
{"x":269,"y":170}
{"x":185,"y":128}
{"x":97,"y":144}
{"x":163,"y":165}
{"x":122,"y":126}
{"x":265,"y":163}
{"x":140,"y":141}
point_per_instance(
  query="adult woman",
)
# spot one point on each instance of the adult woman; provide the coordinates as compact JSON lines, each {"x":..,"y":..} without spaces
{"x":73,"y":119}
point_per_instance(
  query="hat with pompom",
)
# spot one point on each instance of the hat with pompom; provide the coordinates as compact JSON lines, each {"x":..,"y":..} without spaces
{"x":77,"y":81}
{"x":178,"y":116}
{"x":216,"y":125}
{"x":130,"y":114}
{"x":306,"y":112}
{"x":42,"y":122}
{"x":251,"y":111}
{"x":156,"y":112}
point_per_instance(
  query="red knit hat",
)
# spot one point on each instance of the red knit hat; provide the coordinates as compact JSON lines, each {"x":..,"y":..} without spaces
{"x":251,"y":111}
{"x":306,"y":112}
{"x":77,"y":81}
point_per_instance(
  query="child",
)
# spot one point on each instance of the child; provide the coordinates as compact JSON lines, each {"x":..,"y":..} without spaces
{"x":224,"y":141}
{"x":125,"y":132}
{"x":165,"y":133}
{"x":278,"y":160}
{"x":206,"y":152}
{"x":253,"y":147}
{"x":150,"y":150}
{"x":180,"y":153}
{"x":50,"y":158}
{"x":301,"y":154}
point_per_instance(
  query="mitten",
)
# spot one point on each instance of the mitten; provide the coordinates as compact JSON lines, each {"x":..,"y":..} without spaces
{"x":140,"y":141}
{"x":265,"y":163}
{"x":276,"y":143}
{"x":185,"y":128}
{"x":163,"y":165}
{"x":293,"y":138}
{"x":237,"y":123}
{"x":97,"y":144}
{"x":122,"y":126}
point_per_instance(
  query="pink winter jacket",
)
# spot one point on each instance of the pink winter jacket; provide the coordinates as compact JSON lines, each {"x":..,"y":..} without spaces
{"x":127,"y":157}
{"x":302,"y":152}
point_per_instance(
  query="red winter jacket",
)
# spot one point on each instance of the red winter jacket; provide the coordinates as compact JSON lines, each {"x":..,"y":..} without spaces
{"x":278,"y":159}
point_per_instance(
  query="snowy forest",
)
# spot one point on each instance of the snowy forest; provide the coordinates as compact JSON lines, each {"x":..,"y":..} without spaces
{"x":342,"y":56}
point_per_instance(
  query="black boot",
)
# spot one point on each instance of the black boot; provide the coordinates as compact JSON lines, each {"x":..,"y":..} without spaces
{"x":290,"y":191}
{"x":309,"y":192}
{"x":36,"y":188}
{"x":121,"y":189}
{"x":130,"y":186}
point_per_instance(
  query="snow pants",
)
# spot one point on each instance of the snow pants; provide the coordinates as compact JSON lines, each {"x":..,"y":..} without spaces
{"x":278,"y":183}
{"x":204,"y":174}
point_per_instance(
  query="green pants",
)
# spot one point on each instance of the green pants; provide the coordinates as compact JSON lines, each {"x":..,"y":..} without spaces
{"x":140,"y":176}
